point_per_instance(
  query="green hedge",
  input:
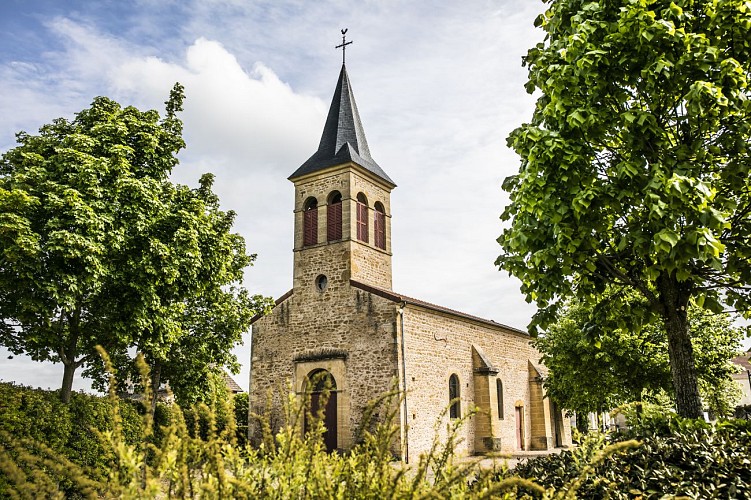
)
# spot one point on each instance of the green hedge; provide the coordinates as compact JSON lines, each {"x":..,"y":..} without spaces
{"x":66,"y":429}
{"x":676,"y":457}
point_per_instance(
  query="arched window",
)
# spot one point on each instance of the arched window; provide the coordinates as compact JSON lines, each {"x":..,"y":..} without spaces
{"x":379,"y":226}
{"x":499,"y":394}
{"x":310,"y":222}
{"x":334,"y":217}
{"x":454,"y":393}
{"x":320,"y":380}
{"x":362,"y":217}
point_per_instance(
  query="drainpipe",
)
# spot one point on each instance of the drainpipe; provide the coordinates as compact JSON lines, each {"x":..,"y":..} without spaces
{"x":404,"y":386}
{"x":250,"y":386}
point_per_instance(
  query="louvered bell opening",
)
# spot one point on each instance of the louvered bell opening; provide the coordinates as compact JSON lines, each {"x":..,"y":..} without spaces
{"x":310,"y":227}
{"x":379,"y":230}
{"x":362,"y":222}
{"x":334,"y":222}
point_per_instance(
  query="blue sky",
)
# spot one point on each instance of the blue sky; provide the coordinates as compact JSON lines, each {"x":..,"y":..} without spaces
{"x":439,"y":86}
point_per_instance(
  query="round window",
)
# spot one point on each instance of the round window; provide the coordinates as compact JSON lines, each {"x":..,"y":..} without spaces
{"x":322,"y":282}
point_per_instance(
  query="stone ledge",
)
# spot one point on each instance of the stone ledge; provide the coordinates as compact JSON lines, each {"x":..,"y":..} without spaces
{"x":321,"y":354}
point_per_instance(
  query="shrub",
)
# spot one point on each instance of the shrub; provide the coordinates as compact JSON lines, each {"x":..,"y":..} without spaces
{"x":241,"y":402}
{"x":677,"y":457}
{"x":130,"y":459}
{"x":65,"y":428}
{"x":66,"y":431}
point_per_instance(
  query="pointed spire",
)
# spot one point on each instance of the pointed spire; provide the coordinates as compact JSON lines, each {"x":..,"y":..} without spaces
{"x":343,"y":139}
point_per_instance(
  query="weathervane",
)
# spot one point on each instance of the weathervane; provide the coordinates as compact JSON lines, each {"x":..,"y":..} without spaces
{"x":344,"y":44}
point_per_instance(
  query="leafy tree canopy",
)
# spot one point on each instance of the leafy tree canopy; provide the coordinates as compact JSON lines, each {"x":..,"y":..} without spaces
{"x":595,"y":365}
{"x":635,"y":166}
{"x":97,"y":246}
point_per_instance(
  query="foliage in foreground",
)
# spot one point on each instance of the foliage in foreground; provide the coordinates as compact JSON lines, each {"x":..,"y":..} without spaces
{"x":208,"y":463}
{"x":202,"y":459}
{"x":198,"y":456}
{"x":677,"y":457}
{"x":34,"y":415}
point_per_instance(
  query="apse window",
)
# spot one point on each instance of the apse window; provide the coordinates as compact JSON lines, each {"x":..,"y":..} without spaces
{"x":499,"y":396}
{"x":454,"y":395}
{"x":321,"y":282}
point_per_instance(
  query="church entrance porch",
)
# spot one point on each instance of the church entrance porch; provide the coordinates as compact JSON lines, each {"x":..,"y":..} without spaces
{"x":323,"y":385}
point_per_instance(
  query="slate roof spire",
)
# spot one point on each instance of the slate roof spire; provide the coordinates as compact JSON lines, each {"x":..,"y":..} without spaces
{"x":343,"y":139}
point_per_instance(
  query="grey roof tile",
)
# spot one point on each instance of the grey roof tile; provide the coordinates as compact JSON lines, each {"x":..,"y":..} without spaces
{"x":343,"y":139}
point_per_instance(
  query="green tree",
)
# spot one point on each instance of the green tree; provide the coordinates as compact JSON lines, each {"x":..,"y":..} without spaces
{"x":596,"y":365}
{"x":194,"y":266}
{"x":202,"y":309}
{"x":97,"y":246}
{"x":69,"y":198}
{"x":635,"y":167}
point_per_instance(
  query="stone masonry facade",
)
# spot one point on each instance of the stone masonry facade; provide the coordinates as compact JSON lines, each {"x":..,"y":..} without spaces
{"x":371,"y":340}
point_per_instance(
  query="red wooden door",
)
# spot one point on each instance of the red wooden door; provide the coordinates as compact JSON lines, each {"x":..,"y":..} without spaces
{"x":322,"y":387}
{"x":329,"y":418}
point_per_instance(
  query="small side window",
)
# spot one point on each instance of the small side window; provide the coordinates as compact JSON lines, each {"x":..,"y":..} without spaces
{"x":454,"y":394}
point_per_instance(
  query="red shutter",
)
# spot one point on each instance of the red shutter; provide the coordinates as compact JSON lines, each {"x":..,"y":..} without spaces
{"x":334,"y":222}
{"x":379,"y":228}
{"x":310,"y":227}
{"x":362,"y":222}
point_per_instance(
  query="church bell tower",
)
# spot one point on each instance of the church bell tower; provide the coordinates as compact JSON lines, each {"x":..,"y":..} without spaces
{"x":342,"y":206}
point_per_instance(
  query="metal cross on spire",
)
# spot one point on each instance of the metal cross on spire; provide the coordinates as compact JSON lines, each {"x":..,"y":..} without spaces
{"x":344,"y":44}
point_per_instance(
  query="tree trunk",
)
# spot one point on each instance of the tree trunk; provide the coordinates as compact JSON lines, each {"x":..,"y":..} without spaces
{"x":68,"y":357}
{"x":67,"y":388}
{"x":156,"y":374}
{"x":680,"y":350}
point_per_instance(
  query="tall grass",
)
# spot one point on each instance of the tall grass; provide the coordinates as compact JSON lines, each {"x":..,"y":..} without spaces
{"x":207,"y":461}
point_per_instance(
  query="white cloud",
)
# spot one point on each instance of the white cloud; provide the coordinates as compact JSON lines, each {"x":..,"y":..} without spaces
{"x":438,"y":85}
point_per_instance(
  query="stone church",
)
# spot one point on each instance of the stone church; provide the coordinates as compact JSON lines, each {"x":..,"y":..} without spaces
{"x":343,"y":324}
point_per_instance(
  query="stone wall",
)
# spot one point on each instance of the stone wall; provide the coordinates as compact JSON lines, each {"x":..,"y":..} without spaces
{"x":438,"y":345}
{"x":348,"y":332}
{"x":354,"y":333}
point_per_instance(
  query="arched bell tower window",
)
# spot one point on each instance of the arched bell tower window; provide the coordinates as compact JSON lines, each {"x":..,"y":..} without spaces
{"x":379,"y":226}
{"x":334,"y":217}
{"x":362,"y":217}
{"x":499,"y":394}
{"x":454,"y":394}
{"x":310,"y":222}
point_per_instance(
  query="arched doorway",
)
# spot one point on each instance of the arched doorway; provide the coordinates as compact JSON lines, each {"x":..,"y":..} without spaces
{"x":322,"y":388}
